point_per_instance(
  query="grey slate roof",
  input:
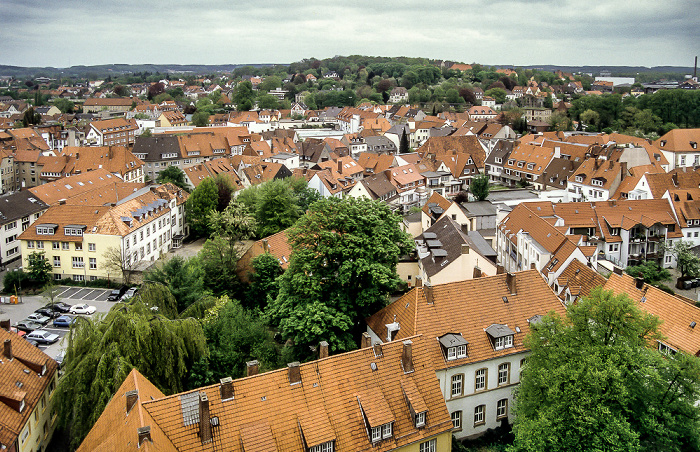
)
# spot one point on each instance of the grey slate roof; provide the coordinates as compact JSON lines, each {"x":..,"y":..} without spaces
{"x":19,"y":205}
{"x":154,"y":147}
{"x":478,"y":209}
{"x":497,"y":330}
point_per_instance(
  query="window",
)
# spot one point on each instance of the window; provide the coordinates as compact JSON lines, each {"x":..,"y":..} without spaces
{"x":502,"y":409}
{"x":78,"y":277}
{"x":10,"y":238}
{"x":420,"y":419}
{"x":376,"y":434}
{"x":457,"y":352}
{"x":78,"y":262}
{"x":503,"y":374}
{"x":479,"y":415}
{"x":386,"y":430}
{"x":91,"y":247}
{"x":663,"y":348}
{"x":456,"y":419}
{"x":480,"y":380}
{"x":56,"y":245}
{"x":65,"y":246}
{"x":40,"y":244}
{"x":428,"y":446}
{"x":78,"y":247}
{"x":324,"y":447}
{"x":503,"y":342}
{"x":57,"y":261}
{"x":30,"y":243}
{"x":93,"y":263}
{"x":457,"y":385}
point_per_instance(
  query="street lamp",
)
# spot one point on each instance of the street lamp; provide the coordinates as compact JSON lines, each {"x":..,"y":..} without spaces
{"x":19,"y":280}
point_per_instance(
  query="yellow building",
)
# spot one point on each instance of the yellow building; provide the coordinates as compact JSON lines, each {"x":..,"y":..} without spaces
{"x":379,"y":398}
{"x":28,"y":378}
{"x":81,"y":240}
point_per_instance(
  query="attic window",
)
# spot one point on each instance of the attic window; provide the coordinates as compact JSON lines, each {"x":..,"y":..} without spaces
{"x":454,"y":346}
{"x":694,"y":144}
{"x":501,"y":336}
{"x":323,"y":447}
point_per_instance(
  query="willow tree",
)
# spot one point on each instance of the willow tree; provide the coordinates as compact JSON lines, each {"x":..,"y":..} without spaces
{"x":102,"y":351}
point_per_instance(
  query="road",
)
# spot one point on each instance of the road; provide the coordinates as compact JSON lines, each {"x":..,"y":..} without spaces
{"x":66,"y":294}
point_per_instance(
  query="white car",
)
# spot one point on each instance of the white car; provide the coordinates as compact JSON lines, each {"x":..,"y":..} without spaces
{"x":83,"y":309}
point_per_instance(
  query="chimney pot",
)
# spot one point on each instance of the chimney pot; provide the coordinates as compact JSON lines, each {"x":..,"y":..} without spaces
{"x":323,"y":350}
{"x":510,"y":281}
{"x":252,"y":368}
{"x":419,"y":281}
{"x":144,"y":434}
{"x":226,"y":387}
{"x":366,"y":340}
{"x":407,"y":356}
{"x":294,"y":372}
{"x":465,"y":248}
{"x":639,"y":283}
{"x":5,"y":324}
{"x":500,"y":269}
{"x":131,"y":398}
{"x":204,"y":423}
{"x":378,"y":350}
{"x":7,"y":350}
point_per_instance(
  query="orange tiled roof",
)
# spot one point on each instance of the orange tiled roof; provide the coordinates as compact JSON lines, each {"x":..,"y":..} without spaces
{"x":468,"y":308}
{"x":71,"y":186}
{"x":275,"y":244}
{"x":679,"y":140}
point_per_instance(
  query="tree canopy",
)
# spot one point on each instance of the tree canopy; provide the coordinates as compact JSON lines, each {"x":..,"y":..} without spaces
{"x":479,"y":187}
{"x":595,"y":380}
{"x":173,"y":175}
{"x":342,"y":268}
{"x":200,"y":203}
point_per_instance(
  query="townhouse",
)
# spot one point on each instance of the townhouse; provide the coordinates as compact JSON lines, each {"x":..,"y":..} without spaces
{"x":118,"y":160}
{"x":17,"y":212}
{"x":410,"y":184}
{"x":680,"y":147}
{"x":113,"y":104}
{"x":28,"y":379}
{"x":527,"y":163}
{"x":475,"y":331}
{"x":78,"y":237}
{"x":388,"y":400}
{"x":111,"y":132}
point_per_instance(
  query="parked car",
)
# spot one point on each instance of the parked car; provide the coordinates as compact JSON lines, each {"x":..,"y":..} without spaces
{"x":48,"y":312}
{"x":64,"y":321}
{"x":117,"y":294}
{"x":60,"y":358}
{"x":130,"y":293}
{"x":38,"y":318}
{"x":61,"y":307}
{"x":42,"y":337}
{"x":27,"y":326}
{"x":83,"y":309}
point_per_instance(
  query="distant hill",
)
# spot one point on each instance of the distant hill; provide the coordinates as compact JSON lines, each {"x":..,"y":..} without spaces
{"x":113,"y":69}
{"x":595,"y":70}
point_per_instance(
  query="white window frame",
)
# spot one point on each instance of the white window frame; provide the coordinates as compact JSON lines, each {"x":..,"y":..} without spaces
{"x":457,"y":385}
{"x":480,"y":379}
{"x":501,"y":409}
{"x":428,"y":446}
{"x":387,"y":430}
{"x":456,"y":417}
{"x":503,"y":373}
{"x":420,"y":419}
{"x":376,"y":434}
{"x":479,"y":414}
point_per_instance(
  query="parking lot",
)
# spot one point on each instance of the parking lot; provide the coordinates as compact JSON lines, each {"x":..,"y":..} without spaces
{"x":66,"y":294}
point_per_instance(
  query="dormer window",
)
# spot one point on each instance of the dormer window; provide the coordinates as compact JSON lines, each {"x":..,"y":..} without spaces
{"x":521,"y":164}
{"x":663,"y":348}
{"x":579,"y":178}
{"x":454,"y":346}
{"x":501,"y":336}
{"x":420,"y":419}
{"x":511,"y":162}
{"x":323,"y":447}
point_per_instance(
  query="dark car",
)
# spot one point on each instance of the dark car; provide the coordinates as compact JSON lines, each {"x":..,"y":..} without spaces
{"x":64,"y":321}
{"x":48,"y":312}
{"x":116,"y":294}
{"x":61,"y":307}
{"x":27,"y":326}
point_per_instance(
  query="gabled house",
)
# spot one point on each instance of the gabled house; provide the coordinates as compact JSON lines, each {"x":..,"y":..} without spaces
{"x":476,"y":330}
{"x":111,"y":132}
{"x":680,"y":147}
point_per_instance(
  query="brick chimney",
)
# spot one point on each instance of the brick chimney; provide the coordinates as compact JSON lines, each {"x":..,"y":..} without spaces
{"x":323,"y":350}
{"x":340,"y":167}
{"x":252,"y":368}
{"x":131,"y":398}
{"x":144,"y":434}
{"x":294,"y":372}
{"x":378,"y":350}
{"x":226,"y":388}
{"x":638,"y":283}
{"x":407,"y":356}
{"x":510,"y":281}
{"x":5,"y":324}
{"x":419,"y":281}
{"x":205,"y":433}
{"x":7,"y":350}
{"x":366,"y":340}
{"x":465,"y":248}
{"x":500,"y":269}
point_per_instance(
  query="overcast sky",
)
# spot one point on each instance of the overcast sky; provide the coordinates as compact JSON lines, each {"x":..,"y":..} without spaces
{"x":504,"y":32}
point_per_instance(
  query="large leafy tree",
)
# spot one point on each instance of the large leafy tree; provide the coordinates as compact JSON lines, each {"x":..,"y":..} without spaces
{"x":342,"y":268}
{"x":596,"y":381}
{"x":263,"y":281}
{"x":276,"y":208}
{"x":39,"y":267}
{"x":101,"y":352}
{"x":650,"y":271}
{"x":243,"y":96}
{"x":479,"y":187}
{"x":687,"y":262}
{"x":183,"y":278}
{"x":200,"y":203}
{"x":174,"y":175}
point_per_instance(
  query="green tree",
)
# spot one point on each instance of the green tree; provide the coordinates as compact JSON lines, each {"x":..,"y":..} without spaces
{"x":560,"y":122}
{"x":268,"y":102}
{"x":30,"y":117}
{"x":342,"y":268}
{"x":14,"y":280}
{"x":243,"y":96}
{"x":263,"y":281}
{"x":201,"y":202}
{"x":687,"y":262}
{"x":64,"y":105}
{"x":201,"y":118}
{"x":650,"y":271}
{"x":183,"y":278}
{"x":235,"y":336}
{"x":590,"y":118}
{"x":225,"y":191}
{"x":219,"y":255}
{"x":39,"y":267}
{"x":276,"y":208}
{"x":403,"y":144}
{"x":595,"y":381}
{"x":173,"y":175}
{"x":499,"y":94}
{"x":102,"y":351}
{"x":479,"y":186}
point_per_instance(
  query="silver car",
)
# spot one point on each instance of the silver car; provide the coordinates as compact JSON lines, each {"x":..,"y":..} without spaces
{"x":42,"y":337}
